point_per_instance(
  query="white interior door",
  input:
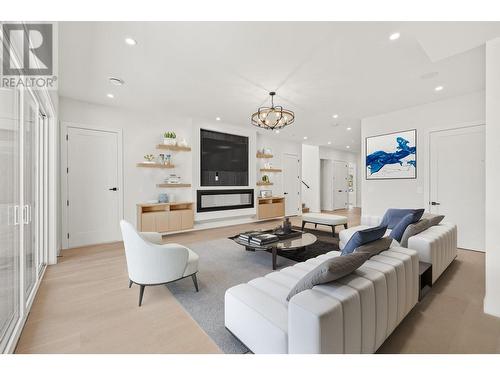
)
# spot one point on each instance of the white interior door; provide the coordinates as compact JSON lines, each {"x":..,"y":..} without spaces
{"x":326,"y":185}
{"x":340,"y":185}
{"x":291,"y":184}
{"x":457,"y":182}
{"x":93,"y":186}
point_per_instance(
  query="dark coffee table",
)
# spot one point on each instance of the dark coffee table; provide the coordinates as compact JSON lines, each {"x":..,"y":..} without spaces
{"x":275,"y":248}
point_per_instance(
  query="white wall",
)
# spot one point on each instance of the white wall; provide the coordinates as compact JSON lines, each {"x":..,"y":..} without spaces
{"x":492,"y":297}
{"x":378,"y":195}
{"x":311,"y":176}
{"x":143,"y":131}
{"x":278,"y":148}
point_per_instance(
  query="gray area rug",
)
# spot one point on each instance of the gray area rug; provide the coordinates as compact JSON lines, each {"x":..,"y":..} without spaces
{"x":222,"y":264}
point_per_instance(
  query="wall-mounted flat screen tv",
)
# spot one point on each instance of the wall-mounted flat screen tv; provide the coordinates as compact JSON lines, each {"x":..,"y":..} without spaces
{"x":224,"y":159}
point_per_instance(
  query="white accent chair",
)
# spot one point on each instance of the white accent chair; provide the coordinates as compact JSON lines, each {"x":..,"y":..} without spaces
{"x":151,"y":263}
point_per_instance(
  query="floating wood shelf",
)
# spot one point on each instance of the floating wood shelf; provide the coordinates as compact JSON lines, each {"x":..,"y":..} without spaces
{"x":173,"y":147}
{"x":262,"y":183}
{"x":270,"y":170}
{"x":155,"y":165}
{"x":264,"y":156}
{"x":173,"y":185}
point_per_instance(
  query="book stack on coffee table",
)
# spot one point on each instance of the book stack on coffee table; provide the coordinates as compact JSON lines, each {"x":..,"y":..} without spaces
{"x":247,"y":236}
{"x":263,"y":239}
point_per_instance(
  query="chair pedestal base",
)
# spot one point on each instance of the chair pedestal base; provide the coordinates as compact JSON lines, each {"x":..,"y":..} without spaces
{"x":195,"y":281}
{"x":143,"y":286}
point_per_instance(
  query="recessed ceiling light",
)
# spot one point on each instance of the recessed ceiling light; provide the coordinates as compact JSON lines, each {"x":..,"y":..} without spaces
{"x":277,"y":131}
{"x":329,"y":142}
{"x":111,"y":96}
{"x":116,"y":81}
{"x":438,"y":88}
{"x":130,"y":41}
{"x":305,"y":138}
{"x":394,"y":36}
{"x":217,"y":119}
{"x":347,"y":146}
{"x":335,"y":116}
{"x":349,"y":128}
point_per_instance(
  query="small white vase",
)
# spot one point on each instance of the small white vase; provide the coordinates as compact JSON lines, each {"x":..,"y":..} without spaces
{"x":169,"y":141}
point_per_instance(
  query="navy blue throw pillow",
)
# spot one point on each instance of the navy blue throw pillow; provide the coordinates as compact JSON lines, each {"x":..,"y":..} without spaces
{"x":393,"y":216}
{"x":362,"y":237}
{"x":399,"y":229}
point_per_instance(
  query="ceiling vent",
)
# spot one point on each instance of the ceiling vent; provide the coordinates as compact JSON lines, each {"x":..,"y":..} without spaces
{"x":116,"y":81}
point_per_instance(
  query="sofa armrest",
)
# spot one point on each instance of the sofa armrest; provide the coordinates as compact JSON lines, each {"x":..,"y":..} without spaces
{"x":436,"y":245}
{"x":315,"y":324}
{"x":153,"y":237}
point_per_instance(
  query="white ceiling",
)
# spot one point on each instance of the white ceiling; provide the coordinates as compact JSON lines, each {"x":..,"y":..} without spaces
{"x":226,"y":69}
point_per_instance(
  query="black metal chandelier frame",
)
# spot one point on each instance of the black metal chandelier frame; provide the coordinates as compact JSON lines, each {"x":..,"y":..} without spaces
{"x":283,"y":117}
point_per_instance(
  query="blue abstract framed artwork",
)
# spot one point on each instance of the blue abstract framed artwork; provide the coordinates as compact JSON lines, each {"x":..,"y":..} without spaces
{"x":392,"y":156}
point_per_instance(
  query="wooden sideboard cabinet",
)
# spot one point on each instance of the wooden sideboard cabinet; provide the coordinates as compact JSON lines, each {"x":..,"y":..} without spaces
{"x":165,"y":217}
{"x":272,"y":207}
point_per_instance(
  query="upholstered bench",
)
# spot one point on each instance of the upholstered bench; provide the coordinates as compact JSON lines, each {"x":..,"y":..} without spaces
{"x":324,"y":219}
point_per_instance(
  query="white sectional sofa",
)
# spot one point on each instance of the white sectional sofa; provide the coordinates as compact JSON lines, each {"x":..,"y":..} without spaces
{"x":354,"y":314}
{"x":436,"y":245}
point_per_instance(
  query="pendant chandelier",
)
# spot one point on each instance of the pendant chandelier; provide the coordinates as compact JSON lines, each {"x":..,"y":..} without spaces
{"x":274,"y":117}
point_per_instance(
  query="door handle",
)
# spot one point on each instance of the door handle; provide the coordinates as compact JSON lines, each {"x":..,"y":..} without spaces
{"x":16,"y":215}
{"x":113,"y":189}
{"x":435,"y":204}
{"x":285,"y":193}
{"x":25,"y":214}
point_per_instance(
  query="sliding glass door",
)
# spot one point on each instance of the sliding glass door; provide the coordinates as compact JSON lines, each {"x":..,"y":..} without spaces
{"x":23,"y":207}
{"x":30,"y":188}
{"x":42,"y":197}
{"x":9,"y":214}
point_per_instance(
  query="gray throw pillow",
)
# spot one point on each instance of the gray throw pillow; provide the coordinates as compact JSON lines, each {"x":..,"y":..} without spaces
{"x":375,"y":247}
{"x":330,"y":270}
{"x":433,"y":218}
{"x":412,"y":230}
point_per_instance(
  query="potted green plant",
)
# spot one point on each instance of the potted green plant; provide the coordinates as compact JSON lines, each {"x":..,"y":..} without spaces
{"x":169,"y":138}
{"x":149,"y":158}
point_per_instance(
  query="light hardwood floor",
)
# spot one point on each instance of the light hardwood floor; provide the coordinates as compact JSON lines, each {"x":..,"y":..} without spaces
{"x":84,"y":306}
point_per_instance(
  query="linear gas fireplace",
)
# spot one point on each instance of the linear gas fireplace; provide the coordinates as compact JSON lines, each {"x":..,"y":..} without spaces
{"x":219,"y":200}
